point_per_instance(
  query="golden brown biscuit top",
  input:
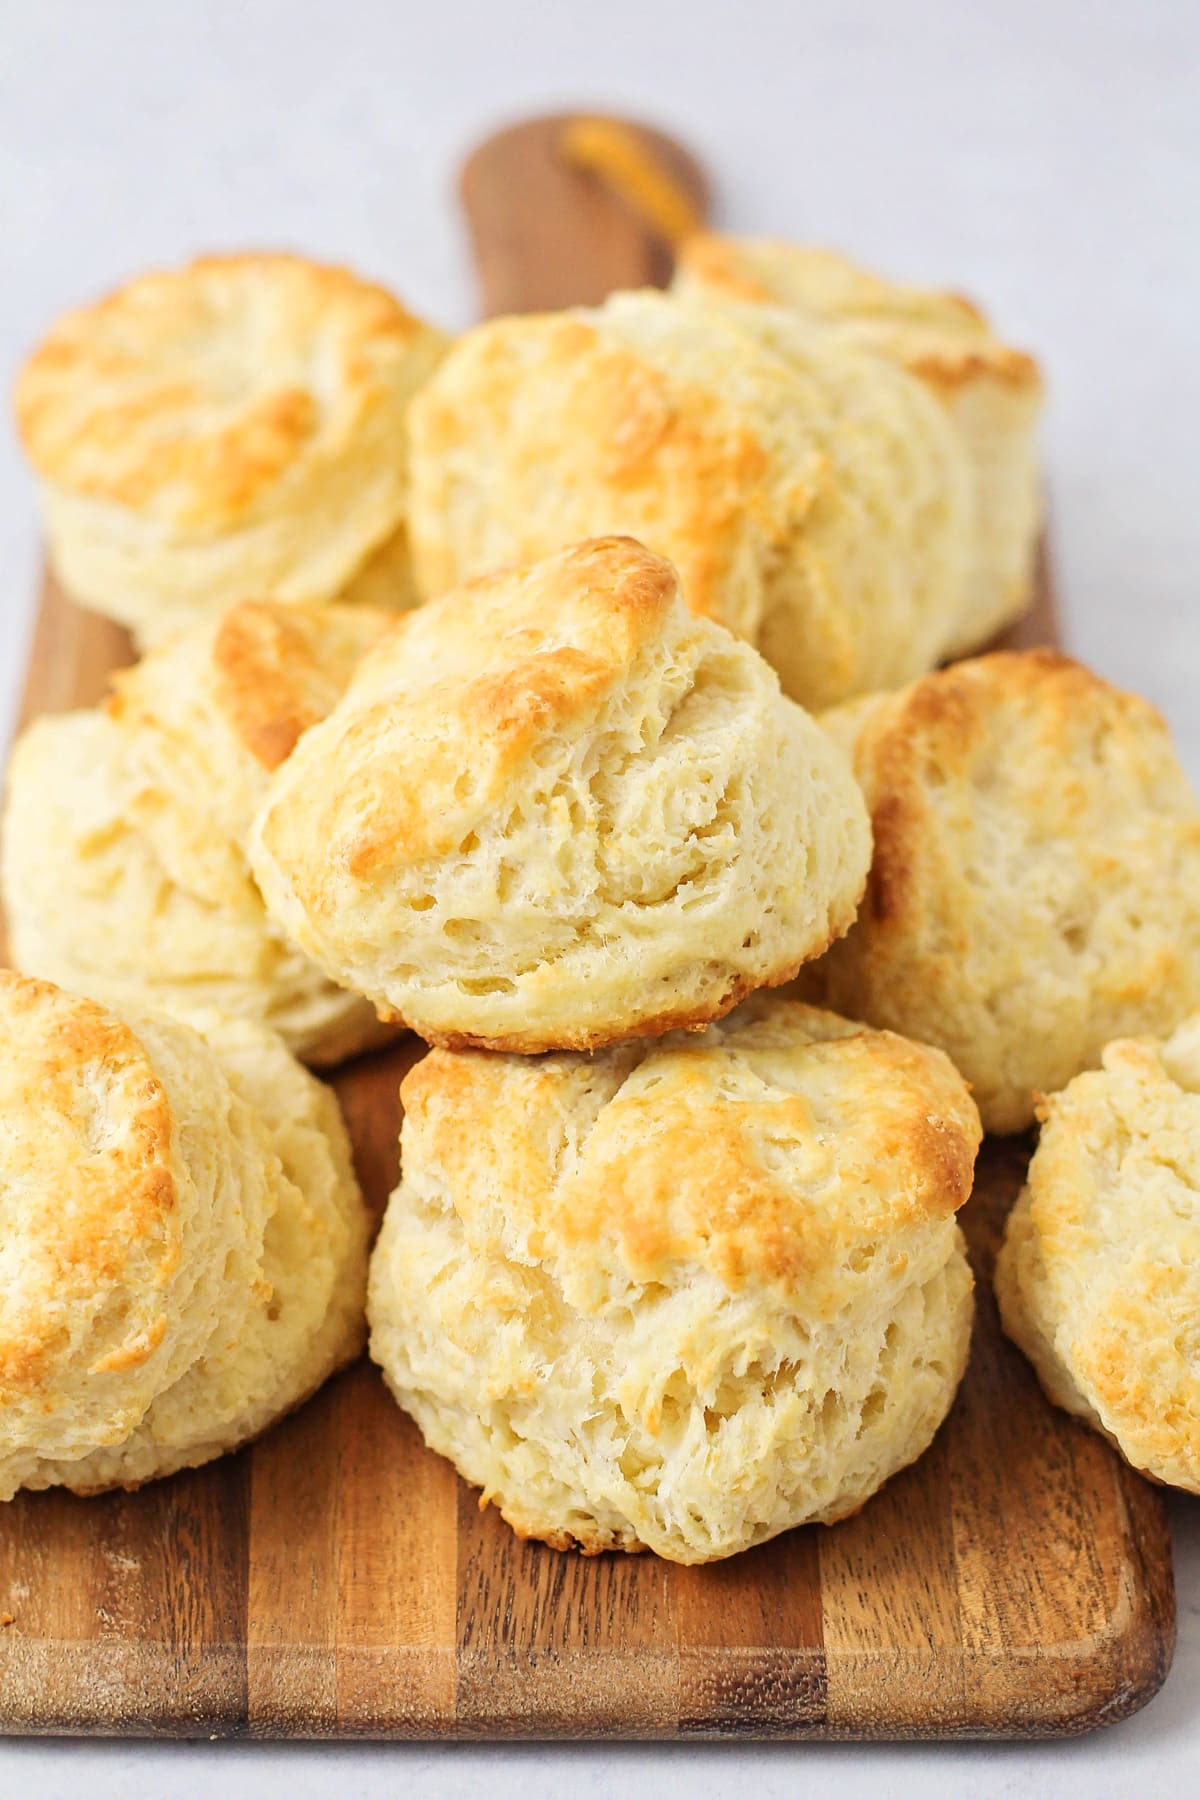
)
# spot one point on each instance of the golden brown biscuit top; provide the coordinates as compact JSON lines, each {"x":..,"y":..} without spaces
{"x":523,"y":637}
{"x":451,"y":700}
{"x":771,"y":269}
{"x":941,"y":337}
{"x":945,"y":360}
{"x":784,"y":1146}
{"x":659,"y":417}
{"x":89,"y":1232}
{"x":189,"y":393}
{"x":1031,"y":734}
{"x":271,"y":671}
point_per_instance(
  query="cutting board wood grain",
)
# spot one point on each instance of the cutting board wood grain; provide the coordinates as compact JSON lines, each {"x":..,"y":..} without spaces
{"x":337,"y":1580}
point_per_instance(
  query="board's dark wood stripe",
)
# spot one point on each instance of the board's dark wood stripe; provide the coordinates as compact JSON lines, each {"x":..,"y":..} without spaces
{"x":292,"y":1573}
{"x":751,"y":1641}
{"x":129,"y":1610}
{"x":538,"y":1633}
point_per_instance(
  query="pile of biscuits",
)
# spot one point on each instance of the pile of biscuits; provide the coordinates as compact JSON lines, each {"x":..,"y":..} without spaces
{"x":569,"y":695}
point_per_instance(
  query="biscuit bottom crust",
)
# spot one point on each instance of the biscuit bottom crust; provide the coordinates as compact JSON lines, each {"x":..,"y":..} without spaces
{"x":787,"y":1448}
{"x":657,"y":1025}
{"x":597,"y":1543}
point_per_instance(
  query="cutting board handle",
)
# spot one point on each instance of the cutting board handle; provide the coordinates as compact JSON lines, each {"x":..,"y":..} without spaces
{"x":564,"y":209}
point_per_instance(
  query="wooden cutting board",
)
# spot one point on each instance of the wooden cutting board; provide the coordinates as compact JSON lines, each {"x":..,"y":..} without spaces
{"x":337,"y":1579}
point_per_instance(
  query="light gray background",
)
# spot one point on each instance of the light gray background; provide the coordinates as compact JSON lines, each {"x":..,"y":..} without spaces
{"x":1042,"y":154}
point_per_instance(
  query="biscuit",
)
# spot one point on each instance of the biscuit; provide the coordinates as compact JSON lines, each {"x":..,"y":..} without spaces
{"x":1098,"y":1279}
{"x":771,"y":1320}
{"x":554,"y":809}
{"x":811,"y":494}
{"x":123,"y":860}
{"x":821,"y":283}
{"x":1035,"y":890}
{"x":235,"y":427}
{"x":991,"y":393}
{"x":184,"y":1242}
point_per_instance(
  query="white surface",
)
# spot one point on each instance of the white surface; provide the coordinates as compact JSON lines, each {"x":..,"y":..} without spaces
{"x":1044,"y":156}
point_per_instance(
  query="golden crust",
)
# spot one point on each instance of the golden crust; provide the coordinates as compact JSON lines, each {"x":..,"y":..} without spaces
{"x":534,"y":1042}
{"x":1033,"y":890}
{"x":270,"y":672}
{"x":942,"y":337}
{"x":235,"y":428}
{"x":643,"y":434}
{"x":888,"y":1123}
{"x":950,"y":364}
{"x":548,"y":812}
{"x":516,"y":656}
{"x":772,"y":269}
{"x":1097,"y":1280}
{"x":86,"y":1121}
{"x":190,"y":393}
